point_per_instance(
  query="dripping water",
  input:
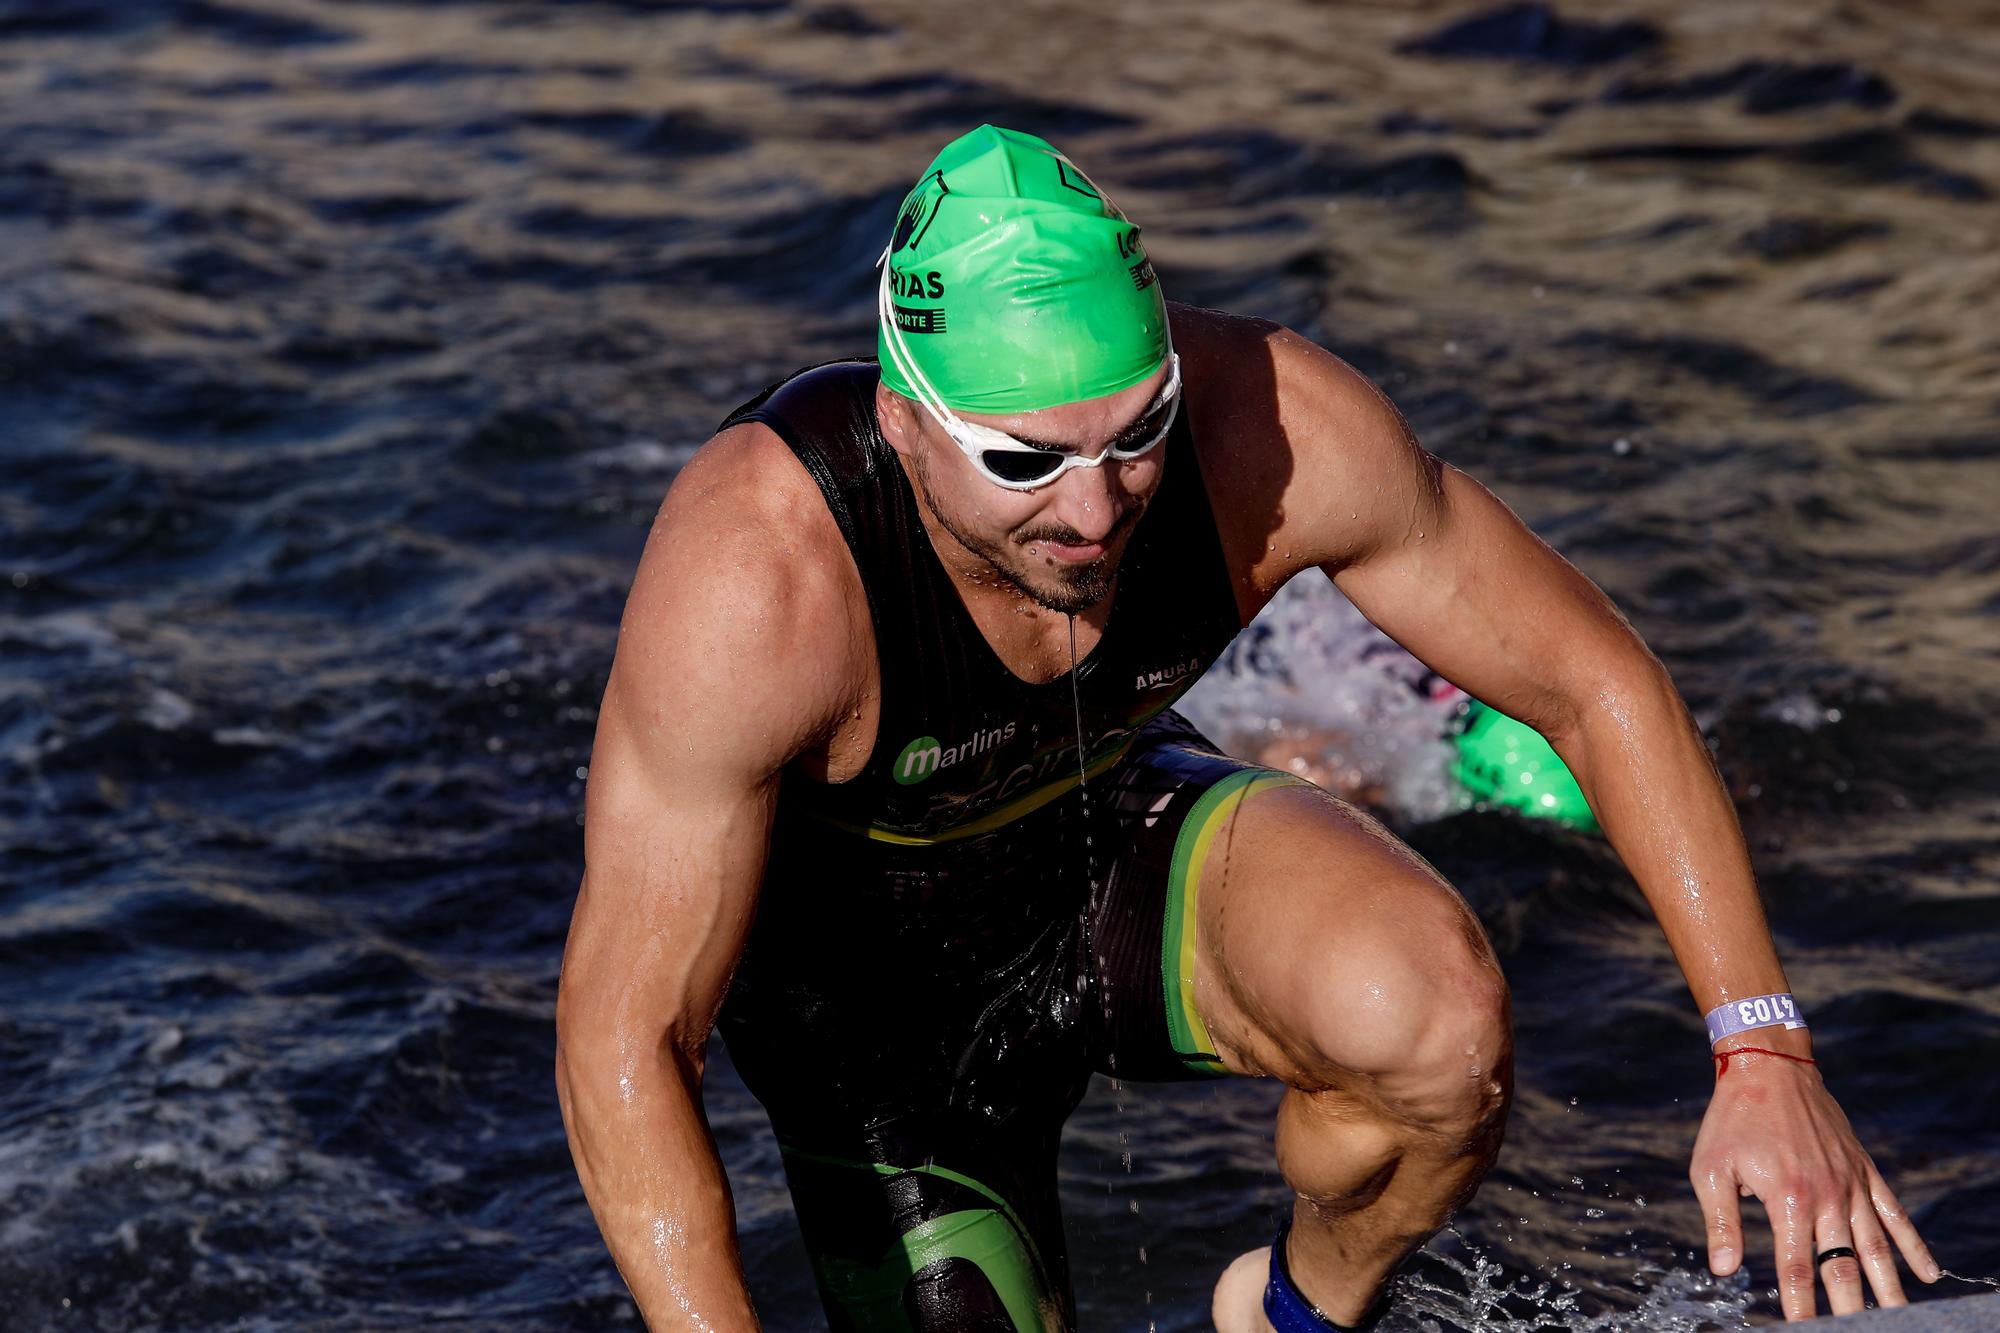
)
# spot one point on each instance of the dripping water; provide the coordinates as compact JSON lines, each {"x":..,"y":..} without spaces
{"x":1961,"y":1277}
{"x":1093,"y":883}
{"x":1083,"y":782}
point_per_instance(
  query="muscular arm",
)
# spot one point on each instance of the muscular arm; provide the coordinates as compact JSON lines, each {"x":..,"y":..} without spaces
{"x":729,"y":664}
{"x":1448,"y":571}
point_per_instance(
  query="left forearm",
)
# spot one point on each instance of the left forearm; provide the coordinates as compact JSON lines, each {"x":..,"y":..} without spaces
{"x":1465,"y":586}
{"x":1642,"y":763}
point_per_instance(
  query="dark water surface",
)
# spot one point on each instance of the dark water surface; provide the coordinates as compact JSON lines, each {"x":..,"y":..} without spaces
{"x":346,"y":350}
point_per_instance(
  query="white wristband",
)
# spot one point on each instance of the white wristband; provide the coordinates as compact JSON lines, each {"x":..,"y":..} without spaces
{"x":1759,"y":1011}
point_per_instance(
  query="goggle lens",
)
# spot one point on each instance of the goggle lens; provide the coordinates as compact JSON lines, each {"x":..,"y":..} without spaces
{"x":1148,"y":431}
{"x":1020,"y":468}
{"x":1023,"y":467}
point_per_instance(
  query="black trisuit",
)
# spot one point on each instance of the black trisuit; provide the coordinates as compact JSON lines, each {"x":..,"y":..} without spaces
{"x":947,"y":945}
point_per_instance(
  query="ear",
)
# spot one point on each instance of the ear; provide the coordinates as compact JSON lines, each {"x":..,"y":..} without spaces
{"x":897,"y":417}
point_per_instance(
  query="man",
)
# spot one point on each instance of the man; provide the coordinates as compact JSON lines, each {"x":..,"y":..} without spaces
{"x":885,"y":779}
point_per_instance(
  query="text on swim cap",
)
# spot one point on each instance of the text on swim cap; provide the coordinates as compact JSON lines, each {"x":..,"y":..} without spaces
{"x":906,"y":285}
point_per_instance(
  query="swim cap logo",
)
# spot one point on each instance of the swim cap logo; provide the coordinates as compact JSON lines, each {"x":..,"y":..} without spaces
{"x":1071,"y":177}
{"x":916,"y":285}
{"x":919,"y":319}
{"x":920,"y":209}
{"x":1141,"y":273}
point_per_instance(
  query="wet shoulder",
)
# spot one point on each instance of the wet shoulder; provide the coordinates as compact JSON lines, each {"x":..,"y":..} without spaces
{"x":1231,"y":367}
{"x":746,"y":566}
{"x":1285,"y":431}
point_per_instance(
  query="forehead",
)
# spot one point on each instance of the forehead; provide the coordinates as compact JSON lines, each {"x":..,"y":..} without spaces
{"x":1081,"y":424}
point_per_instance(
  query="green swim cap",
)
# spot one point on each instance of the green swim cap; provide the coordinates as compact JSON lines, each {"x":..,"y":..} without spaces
{"x":1508,"y":763}
{"x":1013,"y":284}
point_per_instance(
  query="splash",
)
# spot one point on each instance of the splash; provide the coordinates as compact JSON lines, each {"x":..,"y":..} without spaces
{"x":1313,"y":688}
{"x":1961,"y":1277}
{"x":1446,"y":1293}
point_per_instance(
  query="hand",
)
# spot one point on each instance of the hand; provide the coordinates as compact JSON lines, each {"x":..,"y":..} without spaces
{"x":1774,"y":1131}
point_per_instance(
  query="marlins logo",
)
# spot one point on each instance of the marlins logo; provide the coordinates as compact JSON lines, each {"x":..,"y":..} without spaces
{"x":926,"y":755}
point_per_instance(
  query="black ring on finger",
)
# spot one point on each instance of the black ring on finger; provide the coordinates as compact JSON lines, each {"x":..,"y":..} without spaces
{"x":1837,"y":1252}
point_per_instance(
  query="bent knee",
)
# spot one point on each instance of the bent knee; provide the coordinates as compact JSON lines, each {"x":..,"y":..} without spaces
{"x":1349,"y":962}
{"x":1423,"y":1014}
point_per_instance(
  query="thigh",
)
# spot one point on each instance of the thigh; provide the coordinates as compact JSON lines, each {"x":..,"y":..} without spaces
{"x":933,"y":1224}
{"x":1326,"y":947}
{"x":1167,"y":813}
{"x":1255,"y":924}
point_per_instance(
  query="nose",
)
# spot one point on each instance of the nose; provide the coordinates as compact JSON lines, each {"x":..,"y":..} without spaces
{"x":1090,"y":500}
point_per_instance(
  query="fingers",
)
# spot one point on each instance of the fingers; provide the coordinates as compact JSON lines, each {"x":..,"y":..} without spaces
{"x":1792,"y":1236}
{"x":1859,"y":1227}
{"x":1724,"y":1216}
{"x":1915,"y":1252}
{"x":1842,"y":1276}
{"x":1878,"y":1256}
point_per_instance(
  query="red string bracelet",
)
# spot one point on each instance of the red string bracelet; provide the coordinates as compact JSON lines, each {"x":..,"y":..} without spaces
{"x":1722,"y":1057}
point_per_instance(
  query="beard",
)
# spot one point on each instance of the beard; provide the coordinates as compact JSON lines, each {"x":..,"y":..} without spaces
{"x":1060,"y":585}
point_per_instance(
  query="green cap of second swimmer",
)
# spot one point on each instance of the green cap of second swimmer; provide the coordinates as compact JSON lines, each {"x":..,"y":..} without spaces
{"x":1509,"y":763}
{"x":1012,"y":283}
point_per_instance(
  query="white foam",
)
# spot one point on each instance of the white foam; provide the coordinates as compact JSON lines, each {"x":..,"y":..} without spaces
{"x":165,"y":710}
{"x":640,"y":456}
{"x":1314,"y":687}
{"x":1800,"y":710}
{"x":167,"y":1124}
{"x":1484,"y":1299}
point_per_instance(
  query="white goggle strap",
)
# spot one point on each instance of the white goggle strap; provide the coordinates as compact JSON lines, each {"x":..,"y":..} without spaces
{"x":906,"y":362}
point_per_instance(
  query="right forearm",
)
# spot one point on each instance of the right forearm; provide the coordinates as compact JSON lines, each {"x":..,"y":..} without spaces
{"x":650,"y":1171}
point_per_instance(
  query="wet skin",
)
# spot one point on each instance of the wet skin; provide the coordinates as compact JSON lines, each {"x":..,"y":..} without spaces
{"x":1040,"y":555}
{"x":1328,"y":954}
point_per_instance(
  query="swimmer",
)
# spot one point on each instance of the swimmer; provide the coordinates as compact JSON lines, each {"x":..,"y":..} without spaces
{"x":888,"y":787}
{"x":1497,"y":760}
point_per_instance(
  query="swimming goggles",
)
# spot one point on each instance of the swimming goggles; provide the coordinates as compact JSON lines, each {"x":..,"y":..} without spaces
{"x":1015,"y":464}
